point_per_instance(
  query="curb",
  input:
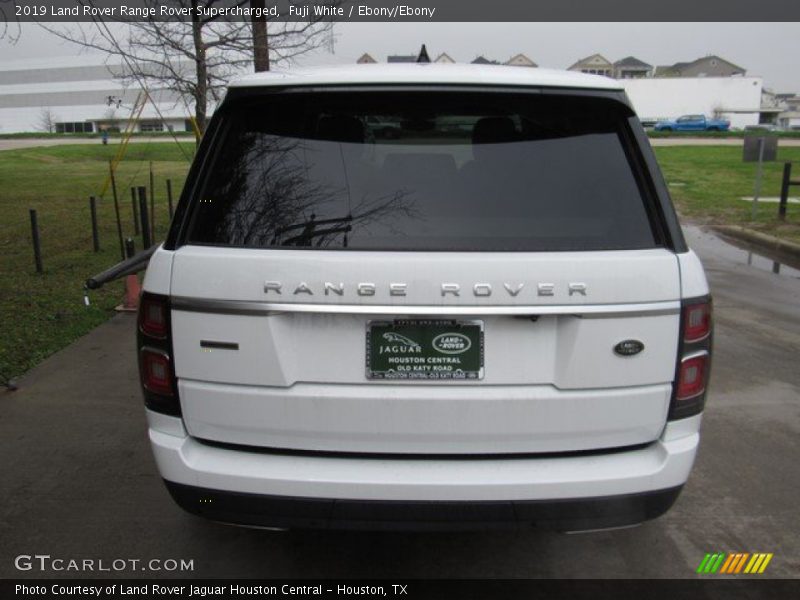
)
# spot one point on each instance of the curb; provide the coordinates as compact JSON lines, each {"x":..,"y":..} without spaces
{"x":762,"y":240}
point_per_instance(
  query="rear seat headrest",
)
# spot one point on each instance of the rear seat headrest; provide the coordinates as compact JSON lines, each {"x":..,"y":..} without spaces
{"x":340,"y":128}
{"x":494,"y":130}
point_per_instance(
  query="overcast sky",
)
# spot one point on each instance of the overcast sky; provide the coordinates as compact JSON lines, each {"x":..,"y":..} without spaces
{"x":769,"y":50}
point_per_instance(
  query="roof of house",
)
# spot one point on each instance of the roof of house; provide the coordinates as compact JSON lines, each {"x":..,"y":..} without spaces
{"x":401,"y":58}
{"x":632,"y":61}
{"x":680,"y":66}
{"x":587,"y":59}
{"x":523,"y":58}
{"x":484,"y":61}
{"x":428,"y":74}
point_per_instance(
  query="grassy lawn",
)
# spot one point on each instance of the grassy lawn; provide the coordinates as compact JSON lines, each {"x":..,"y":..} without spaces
{"x":43,"y":313}
{"x":706,"y":183}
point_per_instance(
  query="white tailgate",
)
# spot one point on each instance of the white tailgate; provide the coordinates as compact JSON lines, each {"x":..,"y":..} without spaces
{"x":287,"y":370}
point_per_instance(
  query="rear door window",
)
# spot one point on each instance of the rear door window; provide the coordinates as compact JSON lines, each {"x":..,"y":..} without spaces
{"x":422,"y":171}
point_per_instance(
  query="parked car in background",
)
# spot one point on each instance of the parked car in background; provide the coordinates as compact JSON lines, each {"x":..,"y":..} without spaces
{"x":694,"y":123}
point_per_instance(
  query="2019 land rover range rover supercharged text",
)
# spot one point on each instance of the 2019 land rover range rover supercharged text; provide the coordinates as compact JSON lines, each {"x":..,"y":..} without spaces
{"x":489,"y":317}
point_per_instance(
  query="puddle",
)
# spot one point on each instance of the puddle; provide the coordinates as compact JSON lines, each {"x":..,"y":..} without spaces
{"x":708,"y":243}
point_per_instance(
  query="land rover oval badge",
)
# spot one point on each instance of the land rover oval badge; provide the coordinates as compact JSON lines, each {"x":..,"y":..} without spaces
{"x":628,"y":347}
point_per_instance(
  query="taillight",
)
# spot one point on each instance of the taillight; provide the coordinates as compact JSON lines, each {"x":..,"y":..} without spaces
{"x":153,"y":315}
{"x":692,"y":377}
{"x":696,"y":322}
{"x":694,"y":359}
{"x":156,"y":371}
{"x":154,"y":341}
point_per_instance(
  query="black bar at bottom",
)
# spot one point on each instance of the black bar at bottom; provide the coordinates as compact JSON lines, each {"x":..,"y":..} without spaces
{"x":327,"y":513}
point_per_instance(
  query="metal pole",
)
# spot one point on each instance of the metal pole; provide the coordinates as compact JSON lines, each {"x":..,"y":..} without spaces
{"x":37,"y":247}
{"x":145,"y":219}
{"x":152,"y":204}
{"x":130,"y":248}
{"x":787,"y":178}
{"x":135,"y":204}
{"x":758,"y":176}
{"x":169,"y":197}
{"x":95,"y":236}
{"x":116,"y":210}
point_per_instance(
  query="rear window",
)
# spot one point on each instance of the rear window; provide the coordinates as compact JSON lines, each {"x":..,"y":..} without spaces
{"x":421,"y":171}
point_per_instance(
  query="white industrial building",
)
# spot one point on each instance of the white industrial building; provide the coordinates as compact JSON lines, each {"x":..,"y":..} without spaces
{"x":735,"y":98}
{"x":79,"y":95}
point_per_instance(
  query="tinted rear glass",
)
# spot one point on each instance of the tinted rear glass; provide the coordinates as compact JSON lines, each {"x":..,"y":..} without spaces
{"x":421,"y":171}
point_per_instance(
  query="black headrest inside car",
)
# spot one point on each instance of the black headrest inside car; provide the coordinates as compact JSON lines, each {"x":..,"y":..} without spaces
{"x":494,"y":130}
{"x":340,"y":129}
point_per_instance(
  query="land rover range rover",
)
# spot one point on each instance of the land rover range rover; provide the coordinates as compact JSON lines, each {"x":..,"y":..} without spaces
{"x":488,"y":318}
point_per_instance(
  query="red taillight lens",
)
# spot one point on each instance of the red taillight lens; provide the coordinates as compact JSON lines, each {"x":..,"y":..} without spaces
{"x":696,"y":322}
{"x":156,"y":365}
{"x":692,"y":376}
{"x":156,"y":372}
{"x":153,"y":316}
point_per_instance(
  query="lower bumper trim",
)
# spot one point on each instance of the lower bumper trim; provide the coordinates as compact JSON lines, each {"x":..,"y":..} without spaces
{"x":327,"y":513}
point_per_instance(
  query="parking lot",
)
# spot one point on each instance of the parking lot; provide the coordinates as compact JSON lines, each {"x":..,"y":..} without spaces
{"x":79,"y":481}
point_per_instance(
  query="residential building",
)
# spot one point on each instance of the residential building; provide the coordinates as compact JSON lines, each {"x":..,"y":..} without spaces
{"x":366,"y":59}
{"x":444,"y":58}
{"x":480,"y":60}
{"x":520,"y":60}
{"x":401,"y":58}
{"x":631,"y":67}
{"x":596,"y":64}
{"x":707,"y":66}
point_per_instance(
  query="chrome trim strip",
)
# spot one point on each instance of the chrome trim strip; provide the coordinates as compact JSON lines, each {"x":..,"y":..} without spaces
{"x":239,"y":307}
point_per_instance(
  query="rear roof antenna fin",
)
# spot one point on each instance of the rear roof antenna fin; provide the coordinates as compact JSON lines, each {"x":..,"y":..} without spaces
{"x":423,"y":55}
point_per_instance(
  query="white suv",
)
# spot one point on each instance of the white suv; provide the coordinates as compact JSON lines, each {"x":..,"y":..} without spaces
{"x":489,"y":317}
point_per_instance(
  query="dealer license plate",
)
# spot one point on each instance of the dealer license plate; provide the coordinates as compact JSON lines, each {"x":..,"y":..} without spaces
{"x":425,"y":349}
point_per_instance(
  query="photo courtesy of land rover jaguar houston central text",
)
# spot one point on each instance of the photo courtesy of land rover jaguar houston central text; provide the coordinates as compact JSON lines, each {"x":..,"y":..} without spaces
{"x":425,"y":296}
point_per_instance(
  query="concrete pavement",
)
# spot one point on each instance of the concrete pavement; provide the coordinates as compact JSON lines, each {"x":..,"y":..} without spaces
{"x":19,"y":143}
{"x":79,"y":480}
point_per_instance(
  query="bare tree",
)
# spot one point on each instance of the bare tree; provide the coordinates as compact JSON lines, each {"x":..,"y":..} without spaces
{"x":47,"y":121}
{"x":194,"y":58}
{"x":9,"y":22}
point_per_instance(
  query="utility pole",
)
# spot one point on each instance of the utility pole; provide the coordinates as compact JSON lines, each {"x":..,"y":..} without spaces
{"x":260,"y":42}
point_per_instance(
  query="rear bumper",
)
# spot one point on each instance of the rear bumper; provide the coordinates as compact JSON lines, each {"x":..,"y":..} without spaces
{"x":585,"y":491}
{"x":328,"y":513}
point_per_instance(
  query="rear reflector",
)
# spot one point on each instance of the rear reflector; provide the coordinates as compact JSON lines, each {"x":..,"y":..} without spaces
{"x":156,"y":372}
{"x":696,"y":322}
{"x":692,"y":376}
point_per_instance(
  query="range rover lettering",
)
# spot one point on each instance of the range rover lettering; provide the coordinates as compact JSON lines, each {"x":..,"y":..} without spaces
{"x":488,"y":318}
